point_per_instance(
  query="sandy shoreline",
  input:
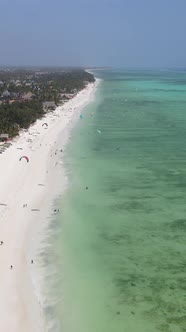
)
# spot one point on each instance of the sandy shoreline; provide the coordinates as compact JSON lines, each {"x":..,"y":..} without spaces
{"x":35,"y":184}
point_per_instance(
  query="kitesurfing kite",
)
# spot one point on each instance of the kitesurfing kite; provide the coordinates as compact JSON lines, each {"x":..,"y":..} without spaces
{"x":45,"y":124}
{"x":24,"y":157}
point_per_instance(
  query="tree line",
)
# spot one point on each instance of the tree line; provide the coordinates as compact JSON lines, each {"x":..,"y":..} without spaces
{"x":21,"y":114}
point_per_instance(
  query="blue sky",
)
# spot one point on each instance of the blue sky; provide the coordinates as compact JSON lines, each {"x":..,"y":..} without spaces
{"x":128,"y":33}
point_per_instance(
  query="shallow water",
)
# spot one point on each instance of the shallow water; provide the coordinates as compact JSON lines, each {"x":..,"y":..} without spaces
{"x":120,"y":247}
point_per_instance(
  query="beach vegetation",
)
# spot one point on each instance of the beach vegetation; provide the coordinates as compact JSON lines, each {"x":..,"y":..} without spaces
{"x":19,"y":115}
{"x":23,"y":94}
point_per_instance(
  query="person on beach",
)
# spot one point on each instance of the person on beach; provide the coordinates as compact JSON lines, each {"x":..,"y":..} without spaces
{"x":55,"y":211}
{"x":32,"y":262}
{"x":11,"y":267}
{"x":2,"y":243}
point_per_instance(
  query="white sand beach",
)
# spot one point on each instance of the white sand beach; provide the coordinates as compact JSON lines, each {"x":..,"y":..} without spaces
{"x":27,"y":191}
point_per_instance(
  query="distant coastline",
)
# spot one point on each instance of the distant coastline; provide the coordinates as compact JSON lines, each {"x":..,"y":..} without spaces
{"x":27,"y":191}
{"x":27,"y":95}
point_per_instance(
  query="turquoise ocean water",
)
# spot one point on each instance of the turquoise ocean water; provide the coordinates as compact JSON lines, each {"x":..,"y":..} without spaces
{"x":120,"y":245}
